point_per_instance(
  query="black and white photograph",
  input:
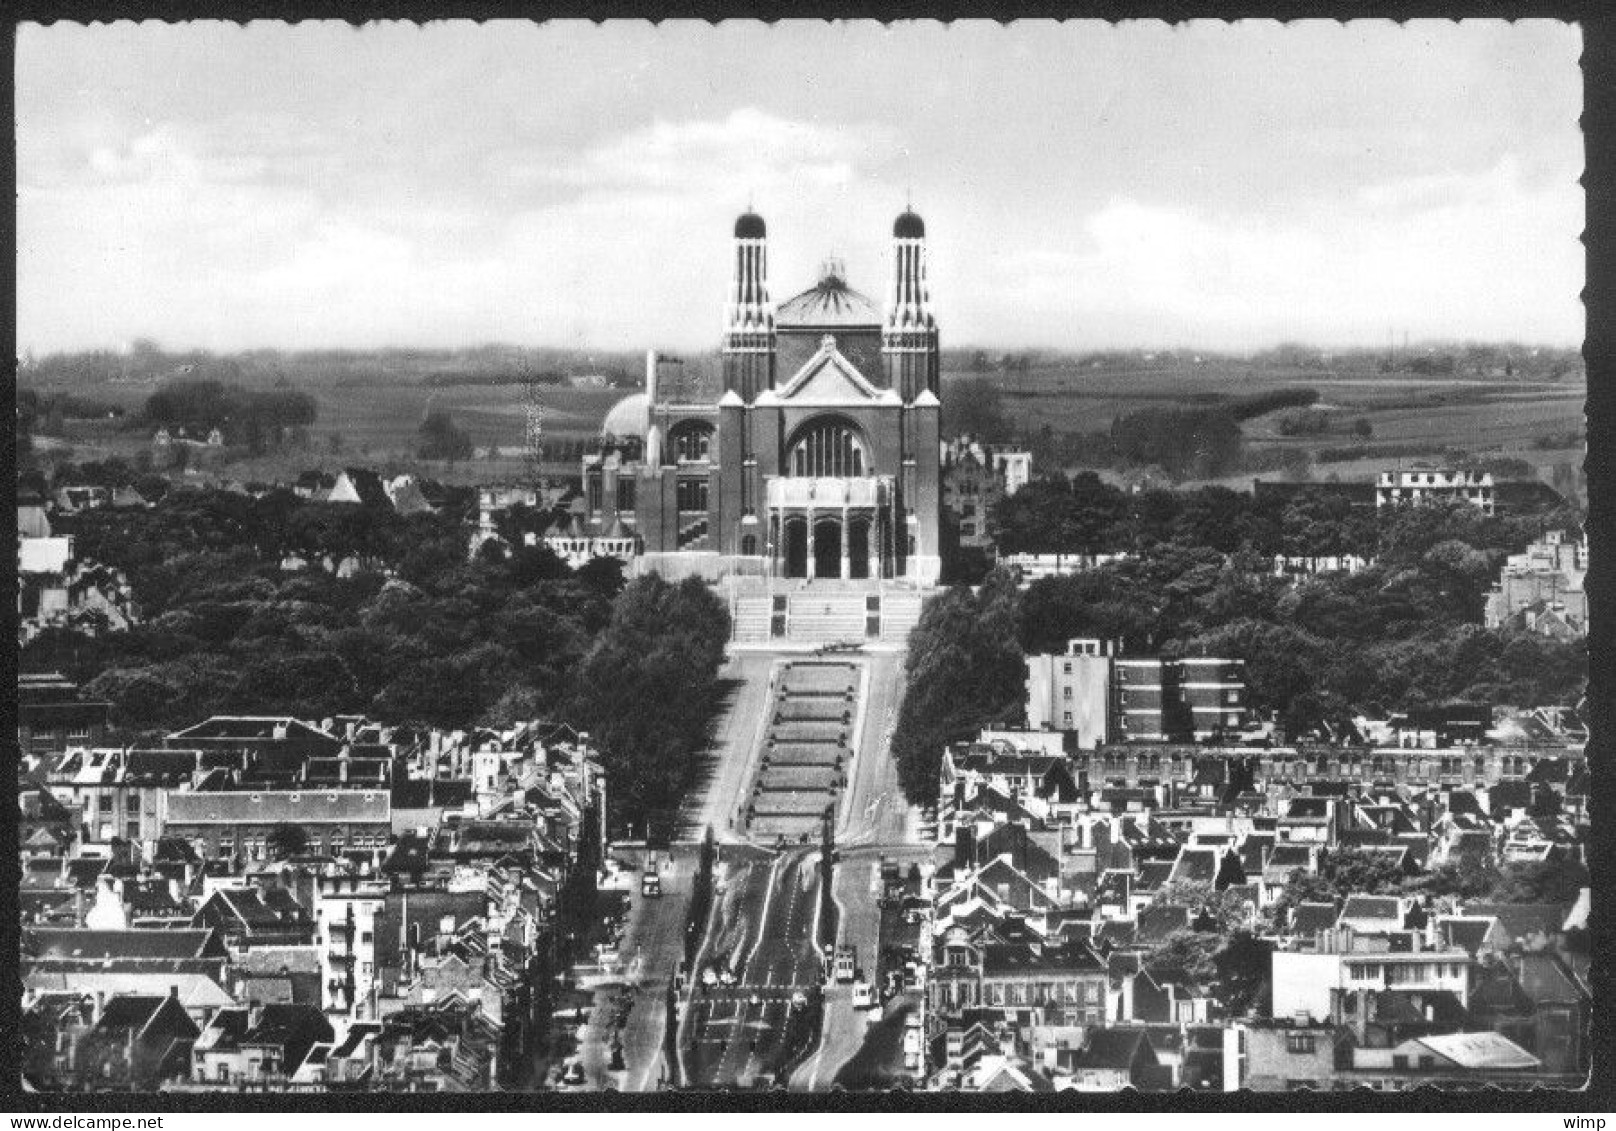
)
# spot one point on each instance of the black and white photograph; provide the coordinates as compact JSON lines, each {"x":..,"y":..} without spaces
{"x":1014,"y":557}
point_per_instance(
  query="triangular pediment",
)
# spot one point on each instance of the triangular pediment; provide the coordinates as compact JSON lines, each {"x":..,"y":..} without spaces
{"x":829,"y":379}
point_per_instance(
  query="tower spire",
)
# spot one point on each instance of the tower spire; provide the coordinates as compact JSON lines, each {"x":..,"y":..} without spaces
{"x":749,"y":314}
{"x":909,"y":338}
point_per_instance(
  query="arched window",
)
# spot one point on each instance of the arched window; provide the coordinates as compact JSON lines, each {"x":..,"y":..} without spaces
{"x":828,"y":450}
{"x":692,"y":442}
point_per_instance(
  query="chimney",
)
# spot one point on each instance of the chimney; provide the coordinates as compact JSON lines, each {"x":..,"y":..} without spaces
{"x":255,"y":1012}
{"x":174,"y":992}
{"x":100,"y":1004}
{"x":964,"y":846}
{"x":78,"y":913}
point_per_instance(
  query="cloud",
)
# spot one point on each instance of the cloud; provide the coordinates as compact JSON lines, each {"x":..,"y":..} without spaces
{"x":227,"y":241}
{"x":1451,"y":255}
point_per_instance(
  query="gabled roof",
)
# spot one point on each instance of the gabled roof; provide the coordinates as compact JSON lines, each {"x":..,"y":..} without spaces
{"x":197,"y":990}
{"x":1520,"y":920}
{"x":1159,"y":921}
{"x":1546,"y":980}
{"x":1115,"y":1049}
{"x":828,"y":378}
{"x":365,"y":487}
{"x":416,"y":793}
{"x":1290,"y":857}
{"x":1440,"y":1008}
{"x":254,"y":728}
{"x":1310,"y":918}
{"x":294,"y":1028}
{"x":1371,"y":907}
{"x":254,"y":909}
{"x":309,"y":806}
{"x":1469,"y":932}
{"x":1195,"y":865}
{"x":1479,"y":1050}
{"x":1002,"y":959}
{"x":50,"y":943}
{"x":1152,"y":874}
{"x":130,"y":1011}
{"x":1115,"y":932}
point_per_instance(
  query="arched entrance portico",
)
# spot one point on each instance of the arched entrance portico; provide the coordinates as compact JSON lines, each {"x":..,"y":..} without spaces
{"x":858,"y":548}
{"x":828,"y":548}
{"x":796,"y":547}
{"x":831,"y":529}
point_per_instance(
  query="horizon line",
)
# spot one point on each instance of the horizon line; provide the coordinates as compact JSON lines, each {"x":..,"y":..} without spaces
{"x":129,"y":348}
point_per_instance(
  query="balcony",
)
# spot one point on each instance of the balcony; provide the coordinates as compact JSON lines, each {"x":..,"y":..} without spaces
{"x":828,"y":494}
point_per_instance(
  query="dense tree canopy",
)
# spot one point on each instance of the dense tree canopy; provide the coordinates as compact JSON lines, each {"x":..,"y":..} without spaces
{"x":416,"y":634}
{"x":964,"y":670}
{"x":648,"y":689}
{"x":258,"y":418}
{"x":1403,"y":632}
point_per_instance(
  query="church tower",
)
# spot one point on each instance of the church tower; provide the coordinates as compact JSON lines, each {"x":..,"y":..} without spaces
{"x":909,"y":338}
{"x":910,"y":363}
{"x":748,"y":347}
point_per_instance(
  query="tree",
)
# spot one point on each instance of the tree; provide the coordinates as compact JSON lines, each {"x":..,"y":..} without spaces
{"x":1242,"y":969}
{"x":648,"y":691}
{"x":964,"y":670}
{"x":1542,"y":881}
{"x":440,"y":438}
{"x":286,"y":840}
{"x":1053,"y":514}
{"x":1185,"y":957}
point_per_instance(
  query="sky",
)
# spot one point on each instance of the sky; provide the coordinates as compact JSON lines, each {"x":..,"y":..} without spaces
{"x":1084,"y":185}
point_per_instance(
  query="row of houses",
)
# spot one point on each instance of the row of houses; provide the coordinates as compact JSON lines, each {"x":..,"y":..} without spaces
{"x":1086,"y":934}
{"x":1542,"y":589}
{"x":57,"y":587}
{"x":274,"y":904}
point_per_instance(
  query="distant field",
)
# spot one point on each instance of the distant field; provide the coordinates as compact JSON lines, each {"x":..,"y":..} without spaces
{"x":377,"y":424}
{"x":376,"y":415}
{"x":1488,"y":416}
{"x":1398,"y":407}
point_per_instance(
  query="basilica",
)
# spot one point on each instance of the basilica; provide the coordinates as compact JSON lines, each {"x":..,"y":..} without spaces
{"x":809,"y":450}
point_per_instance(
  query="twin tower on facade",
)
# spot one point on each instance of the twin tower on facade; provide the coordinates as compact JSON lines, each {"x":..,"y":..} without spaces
{"x":809,"y":451}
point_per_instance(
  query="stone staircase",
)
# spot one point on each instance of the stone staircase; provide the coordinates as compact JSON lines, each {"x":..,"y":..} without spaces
{"x":900,"y":612}
{"x":828,"y":615}
{"x":751,"y":620}
{"x":827,"y":618}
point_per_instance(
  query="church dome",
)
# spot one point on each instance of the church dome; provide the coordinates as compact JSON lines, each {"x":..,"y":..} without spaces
{"x":908,"y":226}
{"x":630,"y":416}
{"x":750,"y":226}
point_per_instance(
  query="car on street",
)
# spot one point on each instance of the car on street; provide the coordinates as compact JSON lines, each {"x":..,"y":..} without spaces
{"x":863,"y":995}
